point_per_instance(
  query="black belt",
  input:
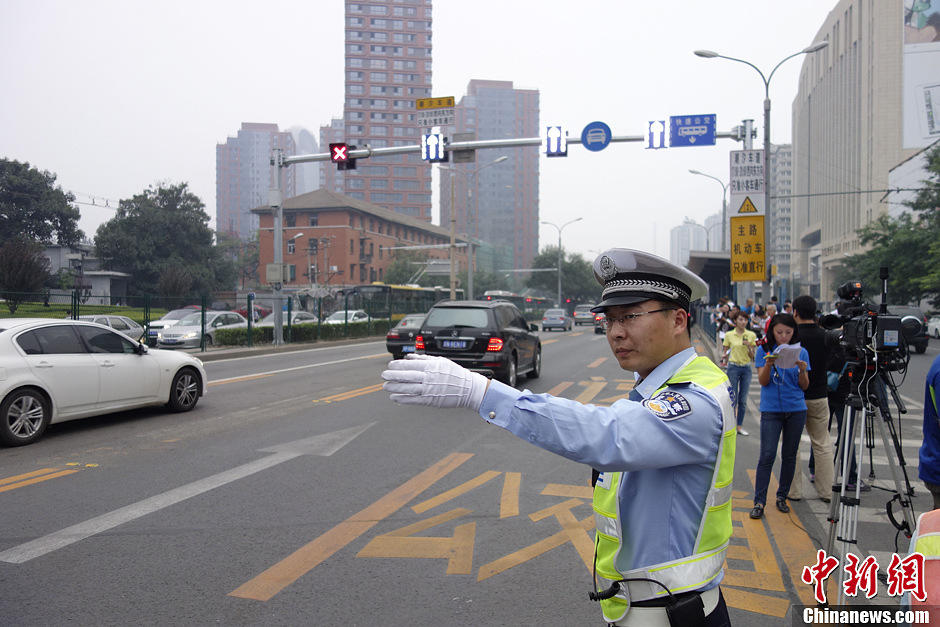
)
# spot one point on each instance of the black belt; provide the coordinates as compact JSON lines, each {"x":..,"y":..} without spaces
{"x":666,"y":600}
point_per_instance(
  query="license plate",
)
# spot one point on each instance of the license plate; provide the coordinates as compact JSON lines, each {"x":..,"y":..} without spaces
{"x":454,"y":344}
{"x":408,"y":349}
{"x":152,"y":333}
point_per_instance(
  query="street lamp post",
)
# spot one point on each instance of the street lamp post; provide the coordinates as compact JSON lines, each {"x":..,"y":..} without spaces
{"x":469,"y":176}
{"x":724,"y":207}
{"x":560,"y":229}
{"x":707,"y":230}
{"x":708,"y":54}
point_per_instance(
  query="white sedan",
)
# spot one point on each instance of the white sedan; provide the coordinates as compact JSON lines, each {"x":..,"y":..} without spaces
{"x":59,"y":370}
{"x":933,"y":327}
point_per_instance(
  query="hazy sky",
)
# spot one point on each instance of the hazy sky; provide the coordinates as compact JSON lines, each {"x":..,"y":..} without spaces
{"x":113,"y":97}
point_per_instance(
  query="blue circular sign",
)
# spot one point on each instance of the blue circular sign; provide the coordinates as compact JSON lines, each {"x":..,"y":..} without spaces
{"x":595,"y":136}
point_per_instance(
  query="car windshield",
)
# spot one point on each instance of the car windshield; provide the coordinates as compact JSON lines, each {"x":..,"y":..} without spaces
{"x":177,"y":314}
{"x":194,"y":320}
{"x":340,"y":315}
{"x":409,"y":322}
{"x":457,"y":317}
{"x":555,"y":312}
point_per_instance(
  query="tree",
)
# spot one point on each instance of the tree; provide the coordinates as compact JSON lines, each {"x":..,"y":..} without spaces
{"x":909,"y":246}
{"x":24,"y":270}
{"x":161,"y":229}
{"x":577,"y":276}
{"x":32,"y":206}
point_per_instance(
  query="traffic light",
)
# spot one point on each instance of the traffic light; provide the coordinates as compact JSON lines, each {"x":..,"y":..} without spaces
{"x":339,"y":154}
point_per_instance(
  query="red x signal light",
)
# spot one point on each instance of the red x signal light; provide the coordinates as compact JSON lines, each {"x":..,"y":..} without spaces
{"x":339,"y":153}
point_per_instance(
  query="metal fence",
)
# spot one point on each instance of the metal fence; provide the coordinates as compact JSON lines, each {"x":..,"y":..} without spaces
{"x":254,"y":308}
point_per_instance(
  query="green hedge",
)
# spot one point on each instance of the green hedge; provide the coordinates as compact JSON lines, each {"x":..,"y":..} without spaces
{"x":302,"y":333}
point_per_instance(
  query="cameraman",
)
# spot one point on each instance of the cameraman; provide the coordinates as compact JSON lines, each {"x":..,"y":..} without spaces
{"x":814,"y":339}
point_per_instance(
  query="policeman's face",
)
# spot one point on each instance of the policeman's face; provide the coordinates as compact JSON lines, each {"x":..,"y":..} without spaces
{"x":642,"y":343}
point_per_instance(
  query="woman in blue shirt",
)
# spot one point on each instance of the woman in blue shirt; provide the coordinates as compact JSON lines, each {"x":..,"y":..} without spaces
{"x":782,"y":411}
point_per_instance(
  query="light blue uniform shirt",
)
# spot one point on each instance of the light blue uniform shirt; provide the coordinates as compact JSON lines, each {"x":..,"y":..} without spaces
{"x":667,"y":455}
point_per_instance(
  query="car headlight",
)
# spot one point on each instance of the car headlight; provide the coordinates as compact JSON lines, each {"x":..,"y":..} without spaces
{"x":190,"y":335}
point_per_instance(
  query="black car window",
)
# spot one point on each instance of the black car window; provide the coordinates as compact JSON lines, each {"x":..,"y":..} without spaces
{"x":119,"y":324}
{"x":470,"y":318}
{"x":518,"y":320}
{"x":105,"y":341}
{"x":58,"y":340}
{"x":29,"y":343}
{"x":505,"y":316}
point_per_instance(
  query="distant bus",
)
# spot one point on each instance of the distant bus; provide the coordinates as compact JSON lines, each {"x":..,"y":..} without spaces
{"x":381,"y":300}
{"x":512,"y":297}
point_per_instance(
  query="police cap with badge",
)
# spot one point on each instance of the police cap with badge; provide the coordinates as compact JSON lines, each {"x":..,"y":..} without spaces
{"x":633,"y":276}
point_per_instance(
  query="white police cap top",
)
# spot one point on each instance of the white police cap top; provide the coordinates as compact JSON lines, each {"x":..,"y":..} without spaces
{"x":632,"y":276}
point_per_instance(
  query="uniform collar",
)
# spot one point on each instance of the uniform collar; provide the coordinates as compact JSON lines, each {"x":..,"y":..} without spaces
{"x":664,"y":372}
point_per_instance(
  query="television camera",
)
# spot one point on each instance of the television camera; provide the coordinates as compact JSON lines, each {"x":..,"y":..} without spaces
{"x":874,"y":347}
{"x":867,"y":333}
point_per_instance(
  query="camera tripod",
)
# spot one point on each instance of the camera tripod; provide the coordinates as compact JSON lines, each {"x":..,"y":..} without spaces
{"x":870,"y":386}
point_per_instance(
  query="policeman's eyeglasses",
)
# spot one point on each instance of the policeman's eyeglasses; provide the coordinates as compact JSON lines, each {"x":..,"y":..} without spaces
{"x":626,"y":320}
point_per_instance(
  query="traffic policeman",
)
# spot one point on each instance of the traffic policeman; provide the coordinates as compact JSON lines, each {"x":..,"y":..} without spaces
{"x":663,"y":459}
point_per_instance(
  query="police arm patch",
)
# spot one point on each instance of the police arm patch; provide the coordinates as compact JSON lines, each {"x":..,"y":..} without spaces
{"x":668,"y":405}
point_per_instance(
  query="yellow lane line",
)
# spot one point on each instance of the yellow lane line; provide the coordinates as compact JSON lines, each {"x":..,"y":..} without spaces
{"x":597,"y":362}
{"x":342,"y":396}
{"x":509,"y":501}
{"x":457,"y":549}
{"x":453,"y":493}
{"x":561,"y":387}
{"x":593,"y":388}
{"x":20,"y":481}
{"x":240,"y":379}
{"x":308,"y":557}
{"x":572,"y":491}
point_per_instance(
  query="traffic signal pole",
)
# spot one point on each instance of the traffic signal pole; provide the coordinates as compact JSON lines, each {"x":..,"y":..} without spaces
{"x":280,"y":161}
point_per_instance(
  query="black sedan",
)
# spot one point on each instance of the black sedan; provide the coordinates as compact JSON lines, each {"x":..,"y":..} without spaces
{"x":401,"y":337}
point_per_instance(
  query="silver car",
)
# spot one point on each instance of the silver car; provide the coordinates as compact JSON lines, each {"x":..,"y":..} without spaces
{"x":188,"y":332}
{"x":121,"y":323}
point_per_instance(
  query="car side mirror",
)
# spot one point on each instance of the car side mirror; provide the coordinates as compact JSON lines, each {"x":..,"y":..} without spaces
{"x":533,"y":327}
{"x":141,"y":348}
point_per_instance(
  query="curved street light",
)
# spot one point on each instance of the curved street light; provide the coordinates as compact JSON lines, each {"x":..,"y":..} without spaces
{"x":724,"y":206}
{"x":560,"y":229}
{"x":708,"y":54}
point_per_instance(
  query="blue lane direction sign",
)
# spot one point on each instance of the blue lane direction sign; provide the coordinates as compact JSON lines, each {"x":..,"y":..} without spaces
{"x":432,"y":148}
{"x":555,"y":141}
{"x":692,"y":130}
{"x":595,"y":136}
{"x":656,"y":134}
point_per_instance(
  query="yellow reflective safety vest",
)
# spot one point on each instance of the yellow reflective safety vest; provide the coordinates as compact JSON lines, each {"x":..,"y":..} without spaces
{"x":926,"y":541}
{"x":714,"y":531}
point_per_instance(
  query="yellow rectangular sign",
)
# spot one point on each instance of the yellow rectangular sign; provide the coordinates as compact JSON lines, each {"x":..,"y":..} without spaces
{"x":434,"y":103}
{"x":748,"y":255}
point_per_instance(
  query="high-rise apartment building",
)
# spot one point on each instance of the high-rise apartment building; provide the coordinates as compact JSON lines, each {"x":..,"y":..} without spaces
{"x":244,"y":176}
{"x":496,"y":202}
{"x":781,"y":188}
{"x":388,"y":67}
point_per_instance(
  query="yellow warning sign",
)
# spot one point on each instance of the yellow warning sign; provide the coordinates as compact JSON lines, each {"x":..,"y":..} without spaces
{"x":747,"y":206}
{"x":434,"y":103}
{"x":747,"y":248}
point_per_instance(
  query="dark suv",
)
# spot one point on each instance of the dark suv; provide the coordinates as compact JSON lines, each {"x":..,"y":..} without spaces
{"x":489,"y":337}
{"x":913,"y":326}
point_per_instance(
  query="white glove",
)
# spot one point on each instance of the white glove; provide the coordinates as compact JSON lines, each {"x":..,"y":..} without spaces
{"x":434,"y":381}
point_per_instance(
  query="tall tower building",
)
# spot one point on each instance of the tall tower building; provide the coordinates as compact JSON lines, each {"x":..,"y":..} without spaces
{"x":388,"y":66}
{"x":781,"y":189}
{"x":244,"y":176}
{"x":497,"y":203}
